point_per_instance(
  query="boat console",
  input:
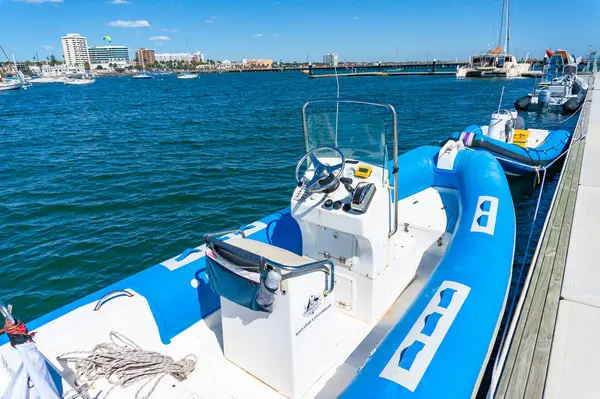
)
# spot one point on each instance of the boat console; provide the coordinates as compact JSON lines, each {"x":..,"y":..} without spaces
{"x":345,"y":207}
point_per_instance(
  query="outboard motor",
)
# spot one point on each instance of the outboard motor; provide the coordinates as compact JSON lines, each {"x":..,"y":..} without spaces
{"x":544,"y":97}
{"x":501,"y":125}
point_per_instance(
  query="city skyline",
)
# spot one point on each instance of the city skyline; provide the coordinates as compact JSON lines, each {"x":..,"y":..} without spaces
{"x":292,"y":30}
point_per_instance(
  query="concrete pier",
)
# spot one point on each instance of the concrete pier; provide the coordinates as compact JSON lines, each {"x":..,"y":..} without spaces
{"x":553,"y":343}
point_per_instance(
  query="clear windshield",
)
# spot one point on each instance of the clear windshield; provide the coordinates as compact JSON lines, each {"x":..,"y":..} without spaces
{"x":359,"y":130}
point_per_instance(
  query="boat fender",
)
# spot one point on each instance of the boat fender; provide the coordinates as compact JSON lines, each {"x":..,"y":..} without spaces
{"x":523,"y":102}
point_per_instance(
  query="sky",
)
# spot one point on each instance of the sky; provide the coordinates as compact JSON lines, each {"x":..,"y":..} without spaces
{"x":294,"y":30}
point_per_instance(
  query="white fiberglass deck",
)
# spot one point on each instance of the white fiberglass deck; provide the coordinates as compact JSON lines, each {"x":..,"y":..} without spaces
{"x":214,"y":375}
{"x":574,"y":369}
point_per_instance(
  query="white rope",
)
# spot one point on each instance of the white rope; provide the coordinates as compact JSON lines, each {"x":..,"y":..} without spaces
{"x":123,"y":363}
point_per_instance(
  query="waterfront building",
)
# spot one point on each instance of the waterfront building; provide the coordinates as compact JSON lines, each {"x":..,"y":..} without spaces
{"x":180,"y":57}
{"x":258,"y":63}
{"x":105,"y":57}
{"x":175,"y":57}
{"x":330,"y":59}
{"x":145,"y":55}
{"x":107,"y":54}
{"x":199,"y":57}
{"x":75,"y":50}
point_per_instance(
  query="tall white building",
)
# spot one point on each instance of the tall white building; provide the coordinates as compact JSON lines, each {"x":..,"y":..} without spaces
{"x":330,"y":59}
{"x":75,"y":50}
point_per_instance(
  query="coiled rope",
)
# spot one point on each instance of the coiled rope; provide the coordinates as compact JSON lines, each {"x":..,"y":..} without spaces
{"x":123,"y":363}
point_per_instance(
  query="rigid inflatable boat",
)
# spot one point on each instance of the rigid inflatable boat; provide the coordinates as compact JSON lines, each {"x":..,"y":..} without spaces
{"x":561,"y":90}
{"x":382,"y":279}
{"x":519,"y":151}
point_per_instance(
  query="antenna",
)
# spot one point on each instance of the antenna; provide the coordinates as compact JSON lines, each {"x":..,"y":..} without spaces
{"x":337,"y":103}
{"x":501,"y":95}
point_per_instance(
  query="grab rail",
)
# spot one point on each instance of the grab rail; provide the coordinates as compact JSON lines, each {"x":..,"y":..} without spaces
{"x":308,"y":268}
{"x":222,"y":233}
{"x":317,"y":266}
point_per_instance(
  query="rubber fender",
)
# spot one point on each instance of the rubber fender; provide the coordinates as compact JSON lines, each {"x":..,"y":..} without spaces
{"x":522,"y":103}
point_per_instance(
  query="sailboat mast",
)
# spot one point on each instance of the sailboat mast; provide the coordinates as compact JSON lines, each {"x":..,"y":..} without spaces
{"x":507,"y":42}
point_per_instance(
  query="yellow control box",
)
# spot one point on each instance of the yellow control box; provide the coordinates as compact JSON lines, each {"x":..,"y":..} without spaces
{"x":363,"y":171}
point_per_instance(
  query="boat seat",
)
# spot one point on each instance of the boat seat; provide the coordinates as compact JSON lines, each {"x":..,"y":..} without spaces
{"x":236,"y":267}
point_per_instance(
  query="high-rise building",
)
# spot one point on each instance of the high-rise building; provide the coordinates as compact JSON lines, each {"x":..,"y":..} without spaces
{"x":330,"y":59}
{"x":144,"y":56}
{"x":199,"y":57}
{"x":75,"y":50}
{"x":108,"y":54}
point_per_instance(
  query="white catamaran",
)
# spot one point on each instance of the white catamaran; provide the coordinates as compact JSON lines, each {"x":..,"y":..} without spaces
{"x":496,"y":63}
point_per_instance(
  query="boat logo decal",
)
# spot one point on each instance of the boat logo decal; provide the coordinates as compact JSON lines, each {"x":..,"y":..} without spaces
{"x":486,"y":211}
{"x":313,"y":304}
{"x":409,"y":363}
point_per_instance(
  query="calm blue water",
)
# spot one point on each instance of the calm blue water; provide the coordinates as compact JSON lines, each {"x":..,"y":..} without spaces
{"x":102,"y":181}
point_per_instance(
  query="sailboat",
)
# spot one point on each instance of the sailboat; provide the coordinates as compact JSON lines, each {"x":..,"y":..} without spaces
{"x":16,"y":83}
{"x":497,"y":62}
{"x":143,"y":75}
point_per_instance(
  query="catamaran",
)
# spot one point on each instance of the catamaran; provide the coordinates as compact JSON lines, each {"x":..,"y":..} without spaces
{"x":495,"y":63}
{"x":383,"y":279}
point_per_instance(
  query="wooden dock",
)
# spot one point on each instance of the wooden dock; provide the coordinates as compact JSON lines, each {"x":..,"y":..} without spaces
{"x":543,"y":339}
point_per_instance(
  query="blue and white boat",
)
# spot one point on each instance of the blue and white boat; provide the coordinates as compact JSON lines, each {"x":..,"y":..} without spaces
{"x":143,"y":75}
{"x":383,"y":279}
{"x":520,"y":151}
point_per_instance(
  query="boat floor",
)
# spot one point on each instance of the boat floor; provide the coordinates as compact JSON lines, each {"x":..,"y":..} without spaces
{"x":214,"y":376}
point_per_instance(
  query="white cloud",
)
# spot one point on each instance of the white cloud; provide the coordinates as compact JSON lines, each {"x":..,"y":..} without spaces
{"x":130,"y":24}
{"x":275,"y":34}
{"x":121,"y":2}
{"x":258,"y":35}
{"x":213,"y":17}
{"x":160,"y":38}
{"x":209,"y":21}
{"x":46,"y":47}
{"x":169,"y":30}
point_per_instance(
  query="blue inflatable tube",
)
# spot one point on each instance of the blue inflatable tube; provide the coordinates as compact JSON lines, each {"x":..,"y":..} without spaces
{"x":440,"y":347}
{"x":517,"y":160}
{"x":414,"y":360}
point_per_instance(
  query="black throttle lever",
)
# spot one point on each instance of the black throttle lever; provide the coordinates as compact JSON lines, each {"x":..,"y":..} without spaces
{"x":347,"y":182}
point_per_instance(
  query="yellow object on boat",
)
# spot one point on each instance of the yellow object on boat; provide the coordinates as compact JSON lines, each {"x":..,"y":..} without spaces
{"x":381,"y":74}
{"x":520,"y":137}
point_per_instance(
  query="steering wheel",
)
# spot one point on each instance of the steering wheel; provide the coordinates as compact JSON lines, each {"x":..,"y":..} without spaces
{"x":324,"y":175}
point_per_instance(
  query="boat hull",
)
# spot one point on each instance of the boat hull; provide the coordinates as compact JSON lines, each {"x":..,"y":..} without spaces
{"x":517,"y":160}
{"x":467,"y":290}
{"x":80,"y":82}
{"x":412,"y":361}
{"x":10,"y":86}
